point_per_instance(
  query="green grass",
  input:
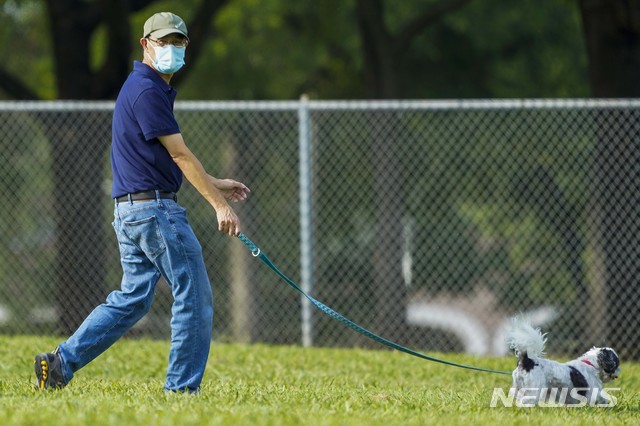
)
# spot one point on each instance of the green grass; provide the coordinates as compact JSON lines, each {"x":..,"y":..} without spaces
{"x":267,"y":385}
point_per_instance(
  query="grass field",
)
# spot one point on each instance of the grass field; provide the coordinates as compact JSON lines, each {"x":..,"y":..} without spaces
{"x":265,"y":385}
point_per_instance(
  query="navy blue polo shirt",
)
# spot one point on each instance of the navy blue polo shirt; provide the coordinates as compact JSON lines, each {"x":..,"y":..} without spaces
{"x":143,"y":111}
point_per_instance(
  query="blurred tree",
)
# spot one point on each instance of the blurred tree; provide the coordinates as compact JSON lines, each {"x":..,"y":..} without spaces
{"x":382,"y":50}
{"x":274,"y":49}
{"x":482,"y":50}
{"x":23,"y":24}
{"x":612,"y":38}
{"x":612,"y":35}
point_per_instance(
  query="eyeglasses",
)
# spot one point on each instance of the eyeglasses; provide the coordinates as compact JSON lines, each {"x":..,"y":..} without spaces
{"x":177,"y":43}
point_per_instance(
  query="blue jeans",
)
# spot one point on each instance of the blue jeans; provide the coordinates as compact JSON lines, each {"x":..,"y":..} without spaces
{"x":155,"y":240}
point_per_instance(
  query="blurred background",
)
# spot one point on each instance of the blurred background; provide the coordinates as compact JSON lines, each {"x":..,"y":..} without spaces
{"x":428,"y":168}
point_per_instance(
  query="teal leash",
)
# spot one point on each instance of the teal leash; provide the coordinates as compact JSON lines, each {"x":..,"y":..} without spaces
{"x":255,"y":250}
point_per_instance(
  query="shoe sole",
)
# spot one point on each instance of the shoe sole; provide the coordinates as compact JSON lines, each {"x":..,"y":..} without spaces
{"x":41,"y":366}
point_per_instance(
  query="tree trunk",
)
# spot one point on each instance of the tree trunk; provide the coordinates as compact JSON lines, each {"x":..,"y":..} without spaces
{"x":79,"y":140}
{"x":389,"y":287}
{"x":246,"y":310}
{"x":72,"y":25}
{"x":612,"y":34}
{"x":378,"y":52}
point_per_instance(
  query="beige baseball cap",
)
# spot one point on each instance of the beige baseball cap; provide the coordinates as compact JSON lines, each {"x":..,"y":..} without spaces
{"x":164,"y":23}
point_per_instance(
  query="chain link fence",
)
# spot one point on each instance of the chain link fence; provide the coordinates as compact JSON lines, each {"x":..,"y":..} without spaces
{"x":430,"y":223}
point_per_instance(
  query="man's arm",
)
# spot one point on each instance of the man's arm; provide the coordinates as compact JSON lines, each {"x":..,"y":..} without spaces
{"x":215,"y":191}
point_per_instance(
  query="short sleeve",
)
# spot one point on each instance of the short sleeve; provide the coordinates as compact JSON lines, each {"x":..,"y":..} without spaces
{"x":154,"y":113}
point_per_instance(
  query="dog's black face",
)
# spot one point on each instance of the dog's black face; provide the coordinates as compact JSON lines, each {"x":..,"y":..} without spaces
{"x":609,"y":364}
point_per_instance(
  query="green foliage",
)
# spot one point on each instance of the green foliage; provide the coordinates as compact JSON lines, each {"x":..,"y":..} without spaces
{"x":26,"y":46}
{"x":497,"y":49}
{"x":278,"y":50}
{"x":277,"y":385}
{"x":275,"y":49}
{"x":502,"y":206}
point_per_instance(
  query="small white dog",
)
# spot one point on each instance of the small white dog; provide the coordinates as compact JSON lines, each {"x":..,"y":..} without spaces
{"x":542,"y":380}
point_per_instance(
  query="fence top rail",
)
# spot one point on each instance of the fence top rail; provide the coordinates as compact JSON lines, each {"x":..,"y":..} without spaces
{"x":453,"y":104}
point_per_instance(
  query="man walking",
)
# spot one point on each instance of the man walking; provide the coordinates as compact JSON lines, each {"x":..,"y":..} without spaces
{"x":149,"y":158}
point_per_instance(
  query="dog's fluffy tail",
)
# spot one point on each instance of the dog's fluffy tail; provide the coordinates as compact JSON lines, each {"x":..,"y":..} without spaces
{"x":525,"y":340}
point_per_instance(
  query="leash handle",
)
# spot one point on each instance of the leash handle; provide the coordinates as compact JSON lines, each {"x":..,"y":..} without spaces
{"x":255,"y":250}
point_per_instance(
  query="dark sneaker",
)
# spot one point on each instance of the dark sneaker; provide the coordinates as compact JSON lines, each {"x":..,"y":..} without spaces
{"x":49,"y":371}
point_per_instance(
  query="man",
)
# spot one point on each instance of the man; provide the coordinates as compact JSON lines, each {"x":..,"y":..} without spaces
{"x":148,"y":159}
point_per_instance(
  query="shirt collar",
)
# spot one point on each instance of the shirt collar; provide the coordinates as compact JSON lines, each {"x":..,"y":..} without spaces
{"x":149,"y":72}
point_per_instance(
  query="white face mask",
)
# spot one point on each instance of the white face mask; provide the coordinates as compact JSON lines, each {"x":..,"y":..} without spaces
{"x":169,"y":59}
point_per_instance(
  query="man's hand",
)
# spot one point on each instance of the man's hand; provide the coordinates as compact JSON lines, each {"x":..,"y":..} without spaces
{"x":231,"y":189}
{"x":228,"y":222}
{"x":234,"y":191}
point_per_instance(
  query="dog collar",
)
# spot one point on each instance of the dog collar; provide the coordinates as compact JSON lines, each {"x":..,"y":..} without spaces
{"x":587,"y":362}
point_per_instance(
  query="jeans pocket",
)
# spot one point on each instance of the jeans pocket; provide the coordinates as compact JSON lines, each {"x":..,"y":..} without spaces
{"x":145,"y":233}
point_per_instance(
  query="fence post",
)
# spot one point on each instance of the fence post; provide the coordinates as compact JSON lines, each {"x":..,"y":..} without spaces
{"x":306,"y":231}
